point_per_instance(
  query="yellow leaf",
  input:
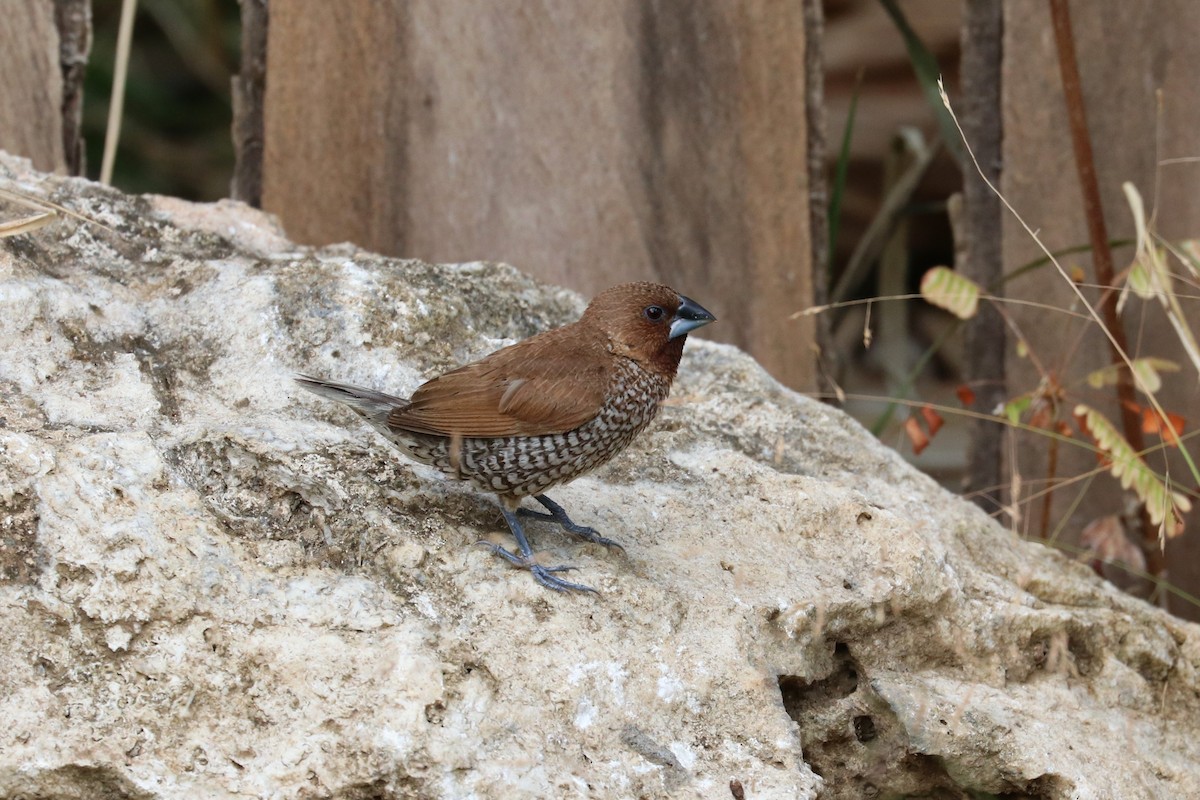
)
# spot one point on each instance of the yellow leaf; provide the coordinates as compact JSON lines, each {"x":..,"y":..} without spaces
{"x":1191,"y":250}
{"x":1147,"y":372}
{"x":1140,"y":280}
{"x":1129,"y":468}
{"x":949,"y":290}
{"x":1150,"y":276}
{"x":1105,"y":376}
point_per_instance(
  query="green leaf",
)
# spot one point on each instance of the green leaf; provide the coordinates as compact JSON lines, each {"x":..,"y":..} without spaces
{"x":1013,"y":409}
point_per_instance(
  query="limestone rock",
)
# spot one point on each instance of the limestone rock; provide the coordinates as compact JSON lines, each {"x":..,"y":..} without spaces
{"x":215,"y":585}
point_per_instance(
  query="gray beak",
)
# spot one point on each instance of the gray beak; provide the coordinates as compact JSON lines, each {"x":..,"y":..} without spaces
{"x":691,"y":315}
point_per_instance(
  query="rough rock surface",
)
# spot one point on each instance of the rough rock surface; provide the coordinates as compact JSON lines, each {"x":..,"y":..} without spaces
{"x":214,"y":585}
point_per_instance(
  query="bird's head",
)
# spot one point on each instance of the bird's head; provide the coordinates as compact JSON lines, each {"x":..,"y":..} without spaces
{"x":647,"y":322}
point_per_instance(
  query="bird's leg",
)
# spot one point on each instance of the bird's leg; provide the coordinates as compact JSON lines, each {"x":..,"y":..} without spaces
{"x":543,"y":575}
{"x":558,"y":514}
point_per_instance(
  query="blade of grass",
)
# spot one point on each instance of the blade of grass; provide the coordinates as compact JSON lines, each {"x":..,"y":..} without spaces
{"x":839,"y":172}
{"x":927,"y":71}
{"x":27,"y":224}
{"x":39,"y":204}
{"x":116,"y":104}
{"x":1113,"y":244}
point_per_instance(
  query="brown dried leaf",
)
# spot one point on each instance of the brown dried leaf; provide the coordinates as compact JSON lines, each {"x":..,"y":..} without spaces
{"x":932,"y":419}
{"x":916,"y":435}
{"x":1106,"y":540}
{"x":1169,"y":429}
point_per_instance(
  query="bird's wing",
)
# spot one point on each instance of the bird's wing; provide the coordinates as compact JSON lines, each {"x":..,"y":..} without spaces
{"x":551,"y":383}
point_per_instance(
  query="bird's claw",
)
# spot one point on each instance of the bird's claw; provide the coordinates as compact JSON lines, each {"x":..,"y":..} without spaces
{"x":595,"y":538}
{"x":558,"y":515}
{"x":543,"y":575}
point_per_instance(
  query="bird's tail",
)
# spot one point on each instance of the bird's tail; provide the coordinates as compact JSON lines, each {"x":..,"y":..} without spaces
{"x":374,"y":406}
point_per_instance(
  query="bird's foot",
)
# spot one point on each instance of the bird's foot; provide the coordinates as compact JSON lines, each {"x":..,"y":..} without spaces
{"x":543,"y":575}
{"x":557,"y":514}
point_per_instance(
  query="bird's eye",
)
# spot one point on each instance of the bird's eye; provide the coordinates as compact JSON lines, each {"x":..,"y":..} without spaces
{"x":654,"y":313}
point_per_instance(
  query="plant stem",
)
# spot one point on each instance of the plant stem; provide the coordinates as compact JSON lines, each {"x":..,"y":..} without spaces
{"x":1085,"y":163}
{"x":1051,"y":479}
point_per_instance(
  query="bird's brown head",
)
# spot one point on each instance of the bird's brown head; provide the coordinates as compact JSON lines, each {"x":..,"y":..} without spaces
{"x":647,"y":322}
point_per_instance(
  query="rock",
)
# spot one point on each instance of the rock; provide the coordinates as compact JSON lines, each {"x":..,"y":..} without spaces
{"x":214,"y":584}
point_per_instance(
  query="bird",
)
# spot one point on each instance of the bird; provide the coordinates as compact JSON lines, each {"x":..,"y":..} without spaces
{"x":539,"y":413}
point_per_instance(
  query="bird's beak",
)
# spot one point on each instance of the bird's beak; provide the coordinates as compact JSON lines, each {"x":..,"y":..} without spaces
{"x":691,"y":315}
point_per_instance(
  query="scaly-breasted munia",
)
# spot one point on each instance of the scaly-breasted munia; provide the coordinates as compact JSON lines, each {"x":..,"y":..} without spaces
{"x":543,"y":411}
